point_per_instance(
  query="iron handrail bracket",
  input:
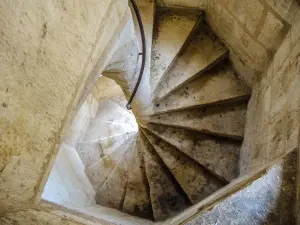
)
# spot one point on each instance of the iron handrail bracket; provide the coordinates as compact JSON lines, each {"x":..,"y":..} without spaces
{"x":139,"y":19}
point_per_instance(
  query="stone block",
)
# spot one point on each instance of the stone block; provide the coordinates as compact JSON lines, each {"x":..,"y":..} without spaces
{"x":282,"y":52}
{"x":248,"y":12}
{"x":276,"y":136}
{"x":49,"y":49}
{"x":286,"y":9}
{"x":252,"y":54}
{"x":295,"y":29}
{"x":201,"y":4}
{"x":272,"y":32}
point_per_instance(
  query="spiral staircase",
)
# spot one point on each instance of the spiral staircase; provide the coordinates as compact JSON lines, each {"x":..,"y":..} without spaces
{"x":185,"y":144}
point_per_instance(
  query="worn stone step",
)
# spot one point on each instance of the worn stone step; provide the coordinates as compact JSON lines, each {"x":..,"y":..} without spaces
{"x":112,"y":192}
{"x":218,"y":155}
{"x":109,"y":110}
{"x":93,"y":150}
{"x":218,"y":85}
{"x":220,"y":120}
{"x":203,"y":51}
{"x":100,"y":170}
{"x":137,"y":199}
{"x":169,"y":23}
{"x":193,"y":179}
{"x":167,"y":198}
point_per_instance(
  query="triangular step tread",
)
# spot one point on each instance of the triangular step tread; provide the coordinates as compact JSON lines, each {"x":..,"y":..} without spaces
{"x":109,"y":110}
{"x":203,"y":50}
{"x":218,"y":85}
{"x":99,"y":171}
{"x":168,"y":24}
{"x":137,"y":199}
{"x":194,"y":180}
{"x":112,"y":192}
{"x":166,"y":196}
{"x":104,"y":129}
{"x":93,"y":150}
{"x":220,"y":156}
{"x":224,"y":120}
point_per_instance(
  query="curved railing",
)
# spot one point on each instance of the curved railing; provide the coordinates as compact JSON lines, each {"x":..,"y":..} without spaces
{"x":143,"y":53}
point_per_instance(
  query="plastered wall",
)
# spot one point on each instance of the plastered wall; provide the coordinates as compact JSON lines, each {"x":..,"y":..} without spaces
{"x":49,"y":49}
{"x":273,"y":117}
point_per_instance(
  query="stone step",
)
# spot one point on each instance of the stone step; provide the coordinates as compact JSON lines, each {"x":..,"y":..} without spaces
{"x":167,"y":198}
{"x":100,"y":170}
{"x":218,"y":85}
{"x":203,"y":51}
{"x":137,"y":199}
{"x":196,"y":182}
{"x":112,"y":192}
{"x":108,"y":110}
{"x":169,"y":23}
{"x":220,"y":120}
{"x":218,"y":155}
{"x":93,"y":150}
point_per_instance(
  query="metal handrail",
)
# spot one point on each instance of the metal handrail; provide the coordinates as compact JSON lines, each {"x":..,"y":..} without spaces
{"x":143,"y":53}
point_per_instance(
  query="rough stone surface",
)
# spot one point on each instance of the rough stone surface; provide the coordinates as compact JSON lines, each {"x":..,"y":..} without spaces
{"x":106,"y":88}
{"x":112,"y":192}
{"x":90,"y":152}
{"x":245,"y":52}
{"x":106,"y":131}
{"x":203,"y":49}
{"x":226,"y":121}
{"x":38,"y":100}
{"x":193,"y":179}
{"x":68,"y":183}
{"x":168,"y":24}
{"x":167,"y":198}
{"x":217,"y":85}
{"x":137,"y":199}
{"x":38,"y":89}
{"x":99,"y":171}
{"x":248,"y":12}
{"x":40,"y":217}
{"x":81,"y":121}
{"x":272,"y":31}
{"x":201,"y":4}
{"x":273,"y":110}
{"x":220,"y":156}
{"x":286,"y":9}
{"x":109,"y":111}
{"x":268,"y":200}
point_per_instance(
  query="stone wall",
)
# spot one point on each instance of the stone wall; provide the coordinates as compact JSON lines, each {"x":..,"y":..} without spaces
{"x":201,"y":4}
{"x":48,"y":215}
{"x":49,"y":49}
{"x":273,"y":116}
{"x":270,"y":199}
{"x":68,"y":183}
{"x":253,"y":30}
